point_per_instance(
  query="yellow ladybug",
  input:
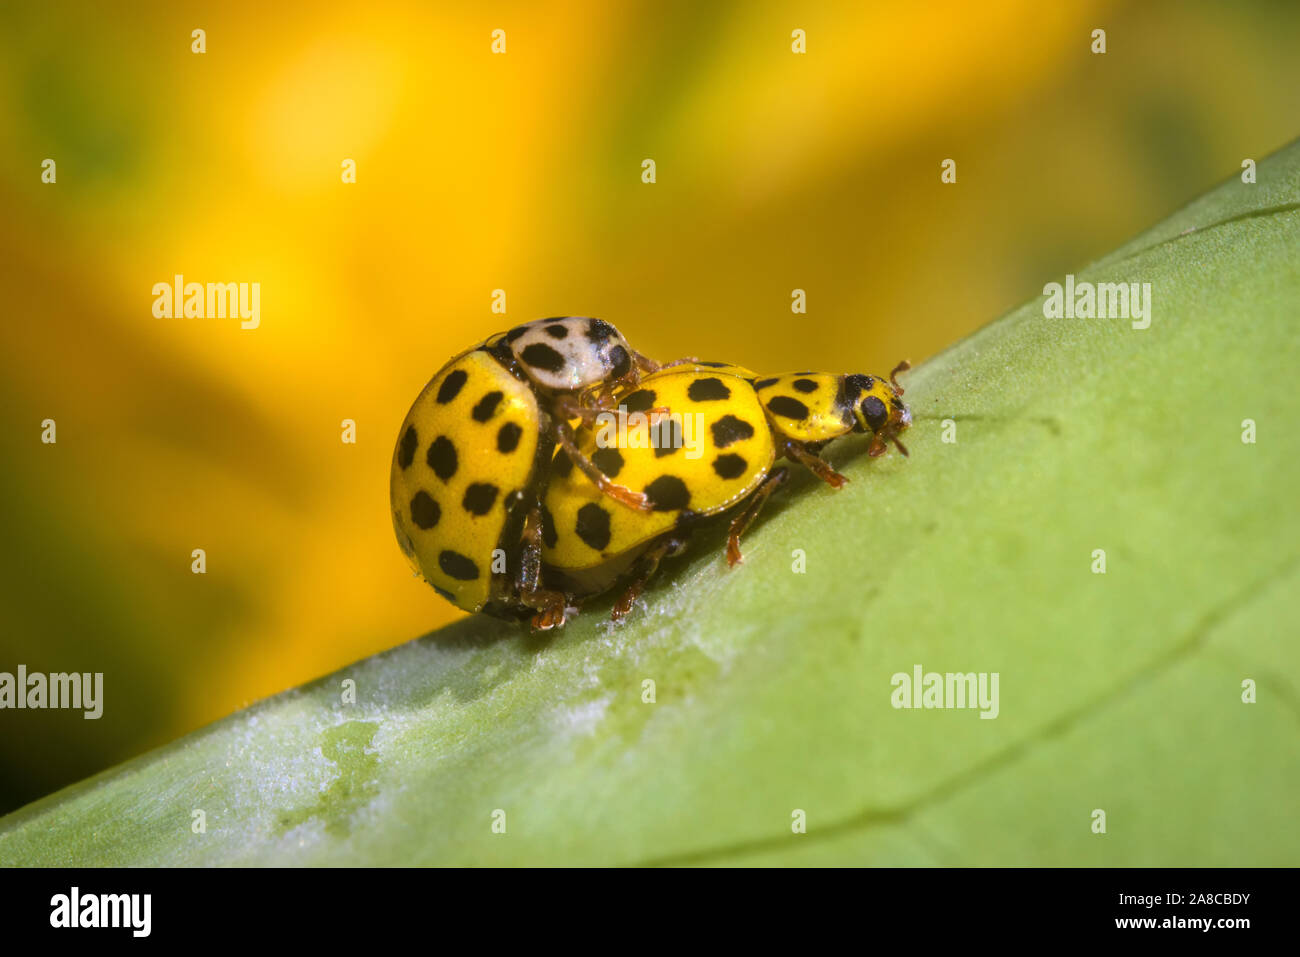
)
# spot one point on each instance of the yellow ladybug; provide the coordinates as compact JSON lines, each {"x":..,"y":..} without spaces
{"x":714,"y":452}
{"x":473,"y":451}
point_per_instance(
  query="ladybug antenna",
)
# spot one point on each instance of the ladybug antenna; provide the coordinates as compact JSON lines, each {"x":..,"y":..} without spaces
{"x":893,"y":378}
{"x":901,"y":447}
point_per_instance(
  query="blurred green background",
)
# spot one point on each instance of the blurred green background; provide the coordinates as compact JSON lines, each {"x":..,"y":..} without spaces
{"x":478,"y":172}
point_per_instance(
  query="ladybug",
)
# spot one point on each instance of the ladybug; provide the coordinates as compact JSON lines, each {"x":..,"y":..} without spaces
{"x":716,"y":452}
{"x":473,"y":453}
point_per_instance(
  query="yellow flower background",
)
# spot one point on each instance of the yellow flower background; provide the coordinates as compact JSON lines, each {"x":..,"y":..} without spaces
{"x":475,"y":172}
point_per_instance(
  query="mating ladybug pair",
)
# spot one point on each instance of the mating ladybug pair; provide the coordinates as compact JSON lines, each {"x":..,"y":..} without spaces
{"x":498,"y":519}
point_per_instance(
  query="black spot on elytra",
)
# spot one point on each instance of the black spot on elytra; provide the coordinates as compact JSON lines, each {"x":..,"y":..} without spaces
{"x":640,"y":401}
{"x":562,"y":465}
{"x":874,"y":411}
{"x":730,"y":466}
{"x":804,"y":385}
{"x":487,"y":406}
{"x":715,"y":365}
{"x":668,"y":493}
{"x":609,"y":461}
{"x":593,"y":526}
{"x":424,"y":510}
{"x":788,"y":406}
{"x":451,"y":386}
{"x":515,"y":333}
{"x":730,"y":429}
{"x":479,"y":498}
{"x":666,"y":437}
{"x":508,"y":438}
{"x":708,"y":390}
{"x":598,"y":330}
{"x":765,"y":383}
{"x":442,"y":458}
{"x":457,"y":566}
{"x":557,"y":330}
{"x":541,"y":356}
{"x":620,"y":363}
{"x":406,"y":451}
{"x":444,"y":593}
{"x":549,"y":538}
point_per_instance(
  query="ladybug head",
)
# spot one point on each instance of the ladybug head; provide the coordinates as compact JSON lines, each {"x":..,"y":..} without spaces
{"x":878,"y":408}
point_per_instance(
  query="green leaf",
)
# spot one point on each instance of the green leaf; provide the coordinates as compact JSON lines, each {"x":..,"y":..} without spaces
{"x":1119,"y":691}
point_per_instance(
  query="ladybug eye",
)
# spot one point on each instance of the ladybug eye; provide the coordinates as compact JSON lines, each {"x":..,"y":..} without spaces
{"x":620,"y":363}
{"x":874,"y":413}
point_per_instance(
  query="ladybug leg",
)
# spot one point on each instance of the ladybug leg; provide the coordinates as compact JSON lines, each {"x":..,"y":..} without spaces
{"x":551,"y":606}
{"x":645,"y":363}
{"x":648,"y":365}
{"x":746,"y":518}
{"x":549,"y":618}
{"x":880,"y":444}
{"x":646,"y":568}
{"x":590,"y":407}
{"x":585,"y":408}
{"x":607,"y":486}
{"x":816,"y":464}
